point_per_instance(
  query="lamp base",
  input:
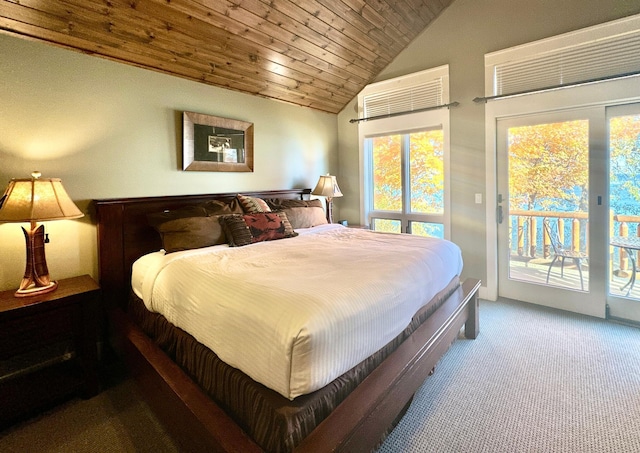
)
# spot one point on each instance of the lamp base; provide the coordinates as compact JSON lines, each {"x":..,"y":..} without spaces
{"x":34,"y":290}
{"x":36,"y":275}
{"x":329,"y":203}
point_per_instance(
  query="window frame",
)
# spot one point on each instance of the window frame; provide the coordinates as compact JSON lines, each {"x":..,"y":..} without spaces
{"x":415,"y":102}
{"x":405,"y":124}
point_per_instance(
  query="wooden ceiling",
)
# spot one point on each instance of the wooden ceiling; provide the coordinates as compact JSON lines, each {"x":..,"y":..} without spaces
{"x":314,"y":53}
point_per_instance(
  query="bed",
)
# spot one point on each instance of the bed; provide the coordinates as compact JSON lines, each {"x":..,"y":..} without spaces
{"x":365,"y":401}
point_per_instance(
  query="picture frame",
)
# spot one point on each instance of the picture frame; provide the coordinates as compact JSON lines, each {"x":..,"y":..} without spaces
{"x":213,"y":143}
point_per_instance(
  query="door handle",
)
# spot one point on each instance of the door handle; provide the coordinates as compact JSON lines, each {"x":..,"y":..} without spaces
{"x":499,"y":215}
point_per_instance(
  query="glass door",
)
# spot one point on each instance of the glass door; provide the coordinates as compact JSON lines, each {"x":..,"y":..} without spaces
{"x":549,"y":177}
{"x":623,"y":132}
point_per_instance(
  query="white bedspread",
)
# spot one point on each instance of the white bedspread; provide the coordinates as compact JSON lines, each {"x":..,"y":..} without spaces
{"x":296,"y":313}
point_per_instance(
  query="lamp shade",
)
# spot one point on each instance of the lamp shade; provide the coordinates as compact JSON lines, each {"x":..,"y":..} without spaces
{"x":327,"y":187}
{"x":35,"y":199}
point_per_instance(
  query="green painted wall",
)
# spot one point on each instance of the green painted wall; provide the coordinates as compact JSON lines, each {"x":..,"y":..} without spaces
{"x":112,"y":130}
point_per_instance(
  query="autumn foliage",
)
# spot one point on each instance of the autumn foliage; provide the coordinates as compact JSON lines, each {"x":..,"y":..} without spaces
{"x":423,"y":154}
{"x":624,"y":145}
{"x":549,"y":164}
{"x":426,"y":171}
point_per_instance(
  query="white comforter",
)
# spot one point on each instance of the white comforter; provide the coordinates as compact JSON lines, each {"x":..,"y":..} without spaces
{"x":296,"y":313}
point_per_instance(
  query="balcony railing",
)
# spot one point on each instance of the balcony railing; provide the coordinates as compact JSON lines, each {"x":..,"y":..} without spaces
{"x":528,"y":238}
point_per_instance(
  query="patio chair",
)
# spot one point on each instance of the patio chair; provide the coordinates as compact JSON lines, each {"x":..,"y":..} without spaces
{"x":560,"y":253}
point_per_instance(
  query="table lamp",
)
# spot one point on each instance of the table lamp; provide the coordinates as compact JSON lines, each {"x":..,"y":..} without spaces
{"x":328,"y":187}
{"x":34,"y":200}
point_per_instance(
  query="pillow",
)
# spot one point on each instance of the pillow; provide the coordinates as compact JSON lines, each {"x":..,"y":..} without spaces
{"x":251,"y":205}
{"x":191,"y":233}
{"x":207,"y":208}
{"x":217,"y":207}
{"x":277,"y":204}
{"x":301,"y":217}
{"x":158,"y":218}
{"x":194,"y":226}
{"x":251,"y":228}
{"x":301,"y":213}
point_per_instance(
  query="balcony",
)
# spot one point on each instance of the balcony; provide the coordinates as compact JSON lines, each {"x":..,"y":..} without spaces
{"x":531,"y":252}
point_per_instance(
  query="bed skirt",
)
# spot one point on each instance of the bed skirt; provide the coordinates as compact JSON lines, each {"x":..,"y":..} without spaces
{"x":274,"y":422}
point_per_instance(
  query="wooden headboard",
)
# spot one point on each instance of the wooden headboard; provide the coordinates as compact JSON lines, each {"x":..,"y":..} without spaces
{"x":124,"y":234}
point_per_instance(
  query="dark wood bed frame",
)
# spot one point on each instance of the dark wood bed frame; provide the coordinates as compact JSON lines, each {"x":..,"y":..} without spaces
{"x":195,"y":422}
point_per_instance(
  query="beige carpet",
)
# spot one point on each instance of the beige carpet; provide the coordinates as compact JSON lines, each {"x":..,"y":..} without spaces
{"x":116,"y":420}
{"x":536,"y":380}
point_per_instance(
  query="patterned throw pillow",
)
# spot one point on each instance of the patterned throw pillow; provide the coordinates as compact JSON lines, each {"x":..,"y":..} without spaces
{"x":251,"y":228}
{"x":251,"y":205}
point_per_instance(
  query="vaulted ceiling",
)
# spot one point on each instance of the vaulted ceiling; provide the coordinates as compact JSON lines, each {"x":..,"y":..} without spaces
{"x":313,"y":53}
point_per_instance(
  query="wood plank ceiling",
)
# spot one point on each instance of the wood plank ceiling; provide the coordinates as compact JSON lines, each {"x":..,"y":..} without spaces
{"x":313,"y":53}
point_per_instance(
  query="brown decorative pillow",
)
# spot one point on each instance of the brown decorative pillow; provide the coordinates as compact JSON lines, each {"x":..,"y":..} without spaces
{"x":251,"y":205}
{"x":277,"y":204}
{"x":301,"y":213}
{"x":192,"y":227}
{"x":191,"y":233}
{"x":207,"y":208}
{"x":158,"y":218}
{"x":251,"y":228}
{"x":301,"y":217}
{"x":217,"y":207}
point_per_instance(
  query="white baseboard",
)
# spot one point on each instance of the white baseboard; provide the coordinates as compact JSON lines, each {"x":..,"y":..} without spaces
{"x":483,"y":293}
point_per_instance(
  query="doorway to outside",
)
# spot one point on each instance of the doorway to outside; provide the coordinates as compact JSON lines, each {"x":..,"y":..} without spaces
{"x":569,"y":204}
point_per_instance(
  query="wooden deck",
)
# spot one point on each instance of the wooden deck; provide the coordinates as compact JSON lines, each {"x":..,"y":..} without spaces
{"x":535,"y":271}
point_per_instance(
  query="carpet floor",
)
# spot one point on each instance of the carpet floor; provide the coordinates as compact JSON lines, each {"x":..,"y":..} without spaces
{"x":535,"y":380}
{"x":116,"y":420}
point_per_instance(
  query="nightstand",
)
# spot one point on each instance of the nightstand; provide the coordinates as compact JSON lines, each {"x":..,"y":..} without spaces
{"x":48,"y":347}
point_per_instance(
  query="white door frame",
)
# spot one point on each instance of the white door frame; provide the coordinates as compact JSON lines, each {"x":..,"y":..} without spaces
{"x":622,"y":308}
{"x":592,"y":301}
{"x":612,"y":92}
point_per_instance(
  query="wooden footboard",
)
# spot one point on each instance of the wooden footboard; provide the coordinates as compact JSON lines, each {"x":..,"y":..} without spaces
{"x":357,"y":424}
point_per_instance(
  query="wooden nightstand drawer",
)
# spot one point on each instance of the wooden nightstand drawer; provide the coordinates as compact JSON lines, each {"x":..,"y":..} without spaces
{"x":48,"y":347}
{"x":23,"y":334}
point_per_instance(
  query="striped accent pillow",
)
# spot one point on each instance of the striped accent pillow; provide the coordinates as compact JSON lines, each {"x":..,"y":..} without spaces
{"x":251,"y":205}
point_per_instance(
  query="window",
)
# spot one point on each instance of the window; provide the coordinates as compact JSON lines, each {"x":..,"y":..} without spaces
{"x":405,"y":156}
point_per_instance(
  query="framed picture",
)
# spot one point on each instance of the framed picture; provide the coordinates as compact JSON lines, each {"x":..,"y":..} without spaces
{"x":212,"y":143}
